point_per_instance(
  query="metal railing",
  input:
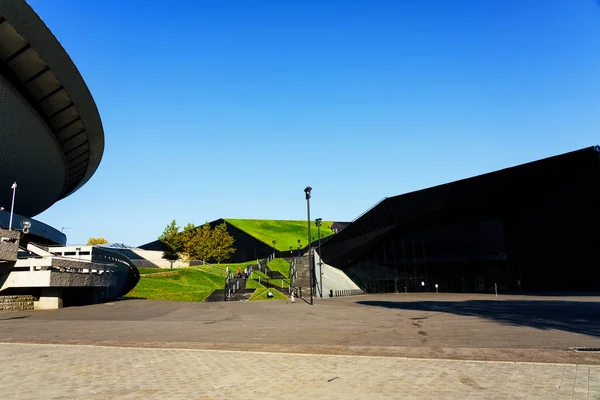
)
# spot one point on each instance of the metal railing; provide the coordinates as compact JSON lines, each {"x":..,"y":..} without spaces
{"x":293,"y":272}
{"x":345,"y":292}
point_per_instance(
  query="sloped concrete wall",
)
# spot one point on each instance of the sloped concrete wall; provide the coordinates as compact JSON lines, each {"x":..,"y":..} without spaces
{"x":333,"y":278}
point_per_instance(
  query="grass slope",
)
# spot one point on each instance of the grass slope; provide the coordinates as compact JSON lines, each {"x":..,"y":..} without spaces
{"x":279,"y":264}
{"x":262,"y":294}
{"x":253,"y":281}
{"x":286,"y":233}
{"x":189,"y":284}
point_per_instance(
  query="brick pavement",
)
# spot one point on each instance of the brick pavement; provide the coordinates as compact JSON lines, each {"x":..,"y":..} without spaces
{"x":82,"y":372}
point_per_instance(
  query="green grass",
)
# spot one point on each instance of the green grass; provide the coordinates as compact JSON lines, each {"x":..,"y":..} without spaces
{"x":252,"y":284}
{"x":197,"y":283}
{"x":279,"y":264}
{"x":285,"y":233}
{"x":276,"y":282}
{"x":219,"y":269}
{"x":261,"y":294}
{"x":189,"y":284}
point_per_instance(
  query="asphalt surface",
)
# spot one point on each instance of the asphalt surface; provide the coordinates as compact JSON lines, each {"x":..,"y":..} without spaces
{"x":442,"y":326}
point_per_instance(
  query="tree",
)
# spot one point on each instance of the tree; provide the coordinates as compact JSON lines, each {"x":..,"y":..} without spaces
{"x":198,"y":242}
{"x":93,"y":241}
{"x":222,"y":243}
{"x":171,"y":240}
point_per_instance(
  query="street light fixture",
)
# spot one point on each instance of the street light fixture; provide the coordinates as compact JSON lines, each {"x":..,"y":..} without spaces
{"x":307,"y":191}
{"x":318,"y":222}
{"x":14,"y":188}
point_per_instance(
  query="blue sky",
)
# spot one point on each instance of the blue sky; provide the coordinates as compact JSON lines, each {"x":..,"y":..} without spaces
{"x":229,"y":109}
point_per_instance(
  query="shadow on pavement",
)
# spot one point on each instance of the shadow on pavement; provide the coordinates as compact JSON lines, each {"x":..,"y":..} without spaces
{"x":9,"y":318}
{"x":572,"y":316}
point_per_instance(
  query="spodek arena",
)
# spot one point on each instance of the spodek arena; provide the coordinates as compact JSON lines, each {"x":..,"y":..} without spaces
{"x":52,"y":142}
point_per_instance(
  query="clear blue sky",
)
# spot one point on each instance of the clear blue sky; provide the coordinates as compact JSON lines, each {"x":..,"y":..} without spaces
{"x":229,"y":109}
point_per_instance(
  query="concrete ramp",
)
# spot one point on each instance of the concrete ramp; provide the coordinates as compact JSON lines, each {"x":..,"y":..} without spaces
{"x":333,"y":280}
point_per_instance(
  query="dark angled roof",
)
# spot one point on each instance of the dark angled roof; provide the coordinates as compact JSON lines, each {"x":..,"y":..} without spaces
{"x":492,"y":195}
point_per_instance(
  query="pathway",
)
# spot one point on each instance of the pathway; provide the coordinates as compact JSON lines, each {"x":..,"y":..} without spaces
{"x":65,"y":371}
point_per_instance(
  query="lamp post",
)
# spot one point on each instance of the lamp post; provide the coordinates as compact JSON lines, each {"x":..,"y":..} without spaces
{"x":14,"y":188}
{"x":299,"y":247}
{"x":318,"y":222}
{"x":274,"y":243}
{"x":310,"y":266}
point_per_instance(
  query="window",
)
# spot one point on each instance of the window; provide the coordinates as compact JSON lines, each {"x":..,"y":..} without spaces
{"x":69,"y":253}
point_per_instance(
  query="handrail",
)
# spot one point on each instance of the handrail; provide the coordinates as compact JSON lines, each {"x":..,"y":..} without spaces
{"x":293,"y":272}
{"x":272,"y":282}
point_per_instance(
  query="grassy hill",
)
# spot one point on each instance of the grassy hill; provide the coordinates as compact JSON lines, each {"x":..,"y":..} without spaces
{"x":197,"y":283}
{"x":286,"y":233}
{"x":182,"y":284}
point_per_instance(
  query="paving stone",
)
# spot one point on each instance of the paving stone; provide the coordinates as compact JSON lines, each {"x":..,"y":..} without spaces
{"x":68,"y":371}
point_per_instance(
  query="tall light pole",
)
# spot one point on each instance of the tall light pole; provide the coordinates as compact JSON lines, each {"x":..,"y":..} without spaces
{"x":14,"y":188}
{"x":318,"y":223}
{"x":310,"y":266}
{"x":274,"y":243}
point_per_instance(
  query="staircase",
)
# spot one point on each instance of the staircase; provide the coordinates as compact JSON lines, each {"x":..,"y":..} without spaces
{"x":236,"y":290}
{"x":303,"y":273}
{"x":16,"y":303}
{"x":241,"y":295}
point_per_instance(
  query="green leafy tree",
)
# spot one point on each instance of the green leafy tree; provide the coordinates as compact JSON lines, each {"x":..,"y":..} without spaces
{"x":222,"y":243}
{"x":189,"y":241}
{"x":197,"y":243}
{"x":93,"y":241}
{"x":171,"y":240}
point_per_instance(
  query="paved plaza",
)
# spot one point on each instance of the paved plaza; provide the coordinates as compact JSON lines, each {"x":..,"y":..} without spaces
{"x":80,"y":372}
{"x":395,"y":346}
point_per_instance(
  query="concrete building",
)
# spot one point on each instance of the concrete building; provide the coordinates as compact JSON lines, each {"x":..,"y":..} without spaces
{"x":52,"y":143}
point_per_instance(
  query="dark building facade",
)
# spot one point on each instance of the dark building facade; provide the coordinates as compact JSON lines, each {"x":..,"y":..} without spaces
{"x":533,"y":227}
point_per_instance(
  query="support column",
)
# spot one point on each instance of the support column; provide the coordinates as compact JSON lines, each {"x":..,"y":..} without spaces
{"x":50,"y":299}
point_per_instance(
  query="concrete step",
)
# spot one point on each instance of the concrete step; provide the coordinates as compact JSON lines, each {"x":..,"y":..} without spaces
{"x":302,"y":272}
{"x":215,"y":296}
{"x":241,"y":295}
{"x":16,"y":303}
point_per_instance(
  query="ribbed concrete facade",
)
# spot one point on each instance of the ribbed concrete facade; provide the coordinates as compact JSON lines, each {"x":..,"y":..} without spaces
{"x":50,"y":130}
